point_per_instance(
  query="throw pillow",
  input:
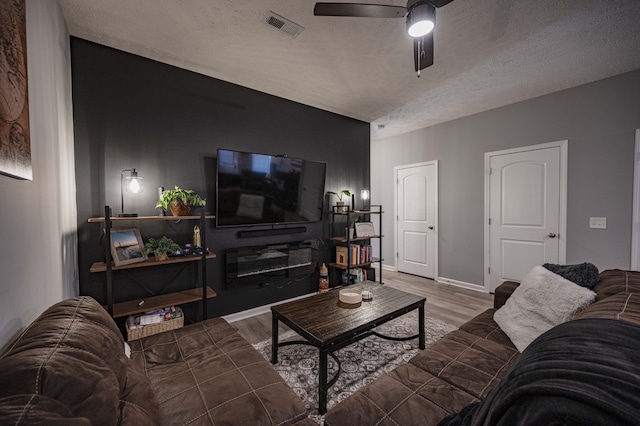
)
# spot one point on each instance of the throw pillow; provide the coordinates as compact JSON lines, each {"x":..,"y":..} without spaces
{"x":542,"y":300}
{"x":584,"y":274}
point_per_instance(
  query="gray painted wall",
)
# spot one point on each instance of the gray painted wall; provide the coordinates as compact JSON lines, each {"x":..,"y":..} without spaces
{"x":38,"y":265}
{"x":599,"y":120}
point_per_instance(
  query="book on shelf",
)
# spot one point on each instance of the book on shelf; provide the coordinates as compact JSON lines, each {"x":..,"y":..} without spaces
{"x":358,"y":254}
{"x":355,"y":276}
{"x":342,"y":255}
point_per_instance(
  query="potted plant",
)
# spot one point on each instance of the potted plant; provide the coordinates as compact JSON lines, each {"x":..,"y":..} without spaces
{"x":161,"y":247}
{"x":180,"y":201}
{"x":340,"y":203}
{"x":350,"y":230}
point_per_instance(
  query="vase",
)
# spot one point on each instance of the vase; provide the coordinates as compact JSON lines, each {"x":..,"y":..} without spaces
{"x":348,"y":233}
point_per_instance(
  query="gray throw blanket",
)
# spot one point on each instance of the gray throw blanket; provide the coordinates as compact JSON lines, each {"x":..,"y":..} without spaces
{"x":584,"y":274}
{"x":582,"y":372}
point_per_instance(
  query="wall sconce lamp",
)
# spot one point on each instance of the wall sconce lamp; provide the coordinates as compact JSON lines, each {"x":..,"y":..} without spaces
{"x":421,"y":18}
{"x":132,"y":184}
{"x":364,"y":196}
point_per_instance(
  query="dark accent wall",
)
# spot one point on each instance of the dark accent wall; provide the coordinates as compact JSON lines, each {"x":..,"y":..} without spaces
{"x":168,"y":122}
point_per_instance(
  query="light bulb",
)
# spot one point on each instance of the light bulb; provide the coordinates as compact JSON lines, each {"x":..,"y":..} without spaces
{"x":420,"y":28}
{"x":134,"y":186}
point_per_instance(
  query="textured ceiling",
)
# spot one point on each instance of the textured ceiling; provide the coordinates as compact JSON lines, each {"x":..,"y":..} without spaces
{"x":488,"y":53}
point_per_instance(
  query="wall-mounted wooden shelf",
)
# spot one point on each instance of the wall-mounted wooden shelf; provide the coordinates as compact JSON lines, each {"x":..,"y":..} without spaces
{"x":345,"y":240}
{"x":102,"y":267}
{"x":357,"y":265}
{"x":160,"y":301}
{"x":132,"y":307}
{"x":165,"y":218}
{"x":354,"y":212}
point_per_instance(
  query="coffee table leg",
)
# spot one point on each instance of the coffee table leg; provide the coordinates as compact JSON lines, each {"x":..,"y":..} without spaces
{"x":421,"y":326}
{"x":274,"y":339}
{"x":322,"y":387}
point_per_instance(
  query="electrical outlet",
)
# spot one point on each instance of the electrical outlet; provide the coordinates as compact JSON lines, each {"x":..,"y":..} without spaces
{"x":598,"y":222}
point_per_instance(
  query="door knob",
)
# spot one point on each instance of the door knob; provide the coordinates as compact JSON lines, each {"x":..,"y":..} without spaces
{"x":431,"y":227}
{"x":552,"y":235}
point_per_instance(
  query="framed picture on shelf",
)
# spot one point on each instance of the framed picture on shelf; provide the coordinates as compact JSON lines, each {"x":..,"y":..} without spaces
{"x":364,"y":229}
{"x":127,"y":246}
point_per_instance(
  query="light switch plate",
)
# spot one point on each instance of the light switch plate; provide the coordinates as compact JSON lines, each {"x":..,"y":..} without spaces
{"x":598,"y":222}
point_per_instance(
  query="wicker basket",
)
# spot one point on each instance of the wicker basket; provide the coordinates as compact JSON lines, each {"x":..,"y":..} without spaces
{"x":148,"y":330}
{"x":178,"y":208}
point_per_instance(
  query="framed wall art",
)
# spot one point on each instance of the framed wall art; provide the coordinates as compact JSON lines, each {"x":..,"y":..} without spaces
{"x":15,"y":142}
{"x":127,"y":246}
{"x":364,"y":229}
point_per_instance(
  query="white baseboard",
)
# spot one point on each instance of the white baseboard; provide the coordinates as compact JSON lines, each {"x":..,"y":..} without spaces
{"x":462,"y":284}
{"x":259,"y":310}
{"x":389,"y":268}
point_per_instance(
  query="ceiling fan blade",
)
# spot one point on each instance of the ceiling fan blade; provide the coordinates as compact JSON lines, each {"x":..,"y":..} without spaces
{"x":423,"y":52}
{"x":359,"y":10}
{"x":440,"y":3}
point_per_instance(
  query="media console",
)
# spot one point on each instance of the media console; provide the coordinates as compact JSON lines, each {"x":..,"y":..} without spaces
{"x":270,"y":263}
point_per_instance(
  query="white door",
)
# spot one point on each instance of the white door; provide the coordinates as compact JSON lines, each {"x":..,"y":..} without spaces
{"x":416,"y":219}
{"x":526,"y":211}
{"x":635,"y":227}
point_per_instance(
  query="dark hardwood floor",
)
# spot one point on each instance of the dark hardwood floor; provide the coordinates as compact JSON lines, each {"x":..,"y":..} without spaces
{"x":448,"y":303}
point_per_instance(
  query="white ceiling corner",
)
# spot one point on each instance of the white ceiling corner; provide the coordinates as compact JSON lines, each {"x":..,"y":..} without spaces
{"x":488,"y":53}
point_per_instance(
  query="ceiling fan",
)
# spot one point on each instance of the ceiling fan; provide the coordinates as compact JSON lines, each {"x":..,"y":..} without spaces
{"x":421,"y":19}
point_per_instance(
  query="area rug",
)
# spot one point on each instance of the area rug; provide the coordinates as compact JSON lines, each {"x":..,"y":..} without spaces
{"x":362,"y":362}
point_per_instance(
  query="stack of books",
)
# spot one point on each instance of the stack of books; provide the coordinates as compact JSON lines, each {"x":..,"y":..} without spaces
{"x":360,"y":254}
{"x":355,"y":275}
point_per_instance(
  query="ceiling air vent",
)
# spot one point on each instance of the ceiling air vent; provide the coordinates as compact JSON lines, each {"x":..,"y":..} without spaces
{"x":283,"y":24}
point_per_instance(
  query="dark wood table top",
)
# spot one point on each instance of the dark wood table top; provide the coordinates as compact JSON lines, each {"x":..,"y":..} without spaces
{"x":322,"y":318}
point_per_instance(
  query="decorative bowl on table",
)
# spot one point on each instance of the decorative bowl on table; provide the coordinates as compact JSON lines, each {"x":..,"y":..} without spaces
{"x":350,"y":295}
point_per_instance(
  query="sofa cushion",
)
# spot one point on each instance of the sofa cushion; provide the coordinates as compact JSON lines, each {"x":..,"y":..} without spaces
{"x":466,"y":361}
{"x":483,"y":325}
{"x":454,"y":371}
{"x":207,"y":373}
{"x":614,"y":281}
{"x":37,"y":410}
{"x":138,"y":403}
{"x":73,"y":353}
{"x":621,"y":306}
{"x":541,"y":301}
{"x":407,"y":395}
{"x":503,"y":293}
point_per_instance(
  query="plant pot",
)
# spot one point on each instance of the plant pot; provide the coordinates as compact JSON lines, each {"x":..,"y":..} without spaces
{"x":161,"y":256}
{"x":178,"y":208}
{"x":340,"y":207}
{"x":348,"y":233}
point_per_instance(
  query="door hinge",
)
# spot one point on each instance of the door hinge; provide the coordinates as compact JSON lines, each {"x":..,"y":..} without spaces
{"x":489,"y":270}
{"x":489,"y":221}
{"x":490,"y":170}
{"x":398,"y":254}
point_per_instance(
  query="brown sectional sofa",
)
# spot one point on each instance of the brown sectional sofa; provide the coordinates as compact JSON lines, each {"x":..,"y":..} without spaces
{"x":69,"y":368}
{"x":465,"y":365}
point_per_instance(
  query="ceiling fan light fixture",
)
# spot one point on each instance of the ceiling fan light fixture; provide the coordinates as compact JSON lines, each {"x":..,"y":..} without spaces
{"x":421,"y":19}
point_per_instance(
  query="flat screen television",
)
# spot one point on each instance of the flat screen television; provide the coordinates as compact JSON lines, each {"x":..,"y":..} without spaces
{"x":259,"y":189}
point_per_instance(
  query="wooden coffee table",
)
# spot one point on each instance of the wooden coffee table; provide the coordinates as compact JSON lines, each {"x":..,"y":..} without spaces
{"x":328,"y":324}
